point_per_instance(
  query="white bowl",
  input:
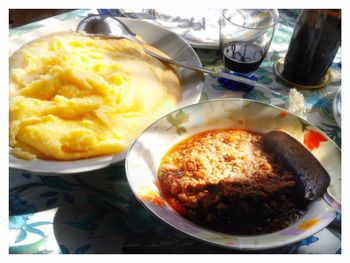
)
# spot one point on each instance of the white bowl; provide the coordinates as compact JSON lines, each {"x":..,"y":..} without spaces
{"x":337,"y":107}
{"x":166,"y":41}
{"x":144,"y":157}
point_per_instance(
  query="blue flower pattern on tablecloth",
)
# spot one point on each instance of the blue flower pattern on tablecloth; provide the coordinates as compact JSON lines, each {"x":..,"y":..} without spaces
{"x":19,"y":218}
{"x":19,"y":206}
{"x":79,"y":250}
{"x":257,"y":95}
{"x":306,"y":242}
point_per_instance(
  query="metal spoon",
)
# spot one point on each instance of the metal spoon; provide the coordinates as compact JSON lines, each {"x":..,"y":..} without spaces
{"x":312,"y":178}
{"x":111,"y":27}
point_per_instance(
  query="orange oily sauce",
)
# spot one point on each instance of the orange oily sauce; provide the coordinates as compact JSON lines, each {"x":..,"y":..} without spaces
{"x":221,"y":179}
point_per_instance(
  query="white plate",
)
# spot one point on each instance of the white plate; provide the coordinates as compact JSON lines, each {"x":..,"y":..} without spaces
{"x":200,"y":27}
{"x":165,"y":40}
{"x":146,"y":153}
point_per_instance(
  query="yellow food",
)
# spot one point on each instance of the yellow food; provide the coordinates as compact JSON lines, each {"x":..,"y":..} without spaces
{"x":74,"y":97}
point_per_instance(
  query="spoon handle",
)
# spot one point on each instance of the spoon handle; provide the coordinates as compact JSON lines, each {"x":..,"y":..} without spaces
{"x":209,"y":72}
{"x":331,"y":201}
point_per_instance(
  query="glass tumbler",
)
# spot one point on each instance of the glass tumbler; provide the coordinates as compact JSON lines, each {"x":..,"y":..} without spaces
{"x":245,"y":38}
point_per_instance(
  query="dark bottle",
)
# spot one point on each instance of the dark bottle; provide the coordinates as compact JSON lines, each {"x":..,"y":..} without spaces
{"x":314,"y":44}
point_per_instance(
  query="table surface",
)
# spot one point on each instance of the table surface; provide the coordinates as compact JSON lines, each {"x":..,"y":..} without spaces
{"x":96,"y":212}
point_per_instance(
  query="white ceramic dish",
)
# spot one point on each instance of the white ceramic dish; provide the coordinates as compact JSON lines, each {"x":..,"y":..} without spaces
{"x":200,"y":27}
{"x":144,"y":157}
{"x":167,"y":41}
{"x":337,"y":107}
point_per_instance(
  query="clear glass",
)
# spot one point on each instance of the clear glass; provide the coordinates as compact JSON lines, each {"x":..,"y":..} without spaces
{"x":245,"y":38}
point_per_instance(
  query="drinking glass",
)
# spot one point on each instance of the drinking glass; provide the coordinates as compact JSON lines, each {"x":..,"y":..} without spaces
{"x":245,"y":38}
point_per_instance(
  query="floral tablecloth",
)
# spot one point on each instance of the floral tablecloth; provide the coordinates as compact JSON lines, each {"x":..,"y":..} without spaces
{"x":96,"y":212}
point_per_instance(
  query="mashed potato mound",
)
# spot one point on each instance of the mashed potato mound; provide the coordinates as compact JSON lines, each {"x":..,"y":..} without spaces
{"x":74,"y":96}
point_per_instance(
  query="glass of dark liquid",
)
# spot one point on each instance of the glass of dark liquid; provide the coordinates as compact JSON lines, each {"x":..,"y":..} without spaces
{"x":245,"y":38}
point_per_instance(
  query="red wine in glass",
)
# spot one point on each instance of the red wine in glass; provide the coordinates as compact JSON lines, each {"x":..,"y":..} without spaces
{"x":242,"y":57}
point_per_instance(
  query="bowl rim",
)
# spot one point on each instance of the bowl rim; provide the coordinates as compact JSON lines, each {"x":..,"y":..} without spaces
{"x":337,"y":107}
{"x":97,"y":162}
{"x":265,"y":246}
{"x":228,"y":99}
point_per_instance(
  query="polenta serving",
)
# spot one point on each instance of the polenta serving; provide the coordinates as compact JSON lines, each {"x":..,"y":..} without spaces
{"x":73,"y":96}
